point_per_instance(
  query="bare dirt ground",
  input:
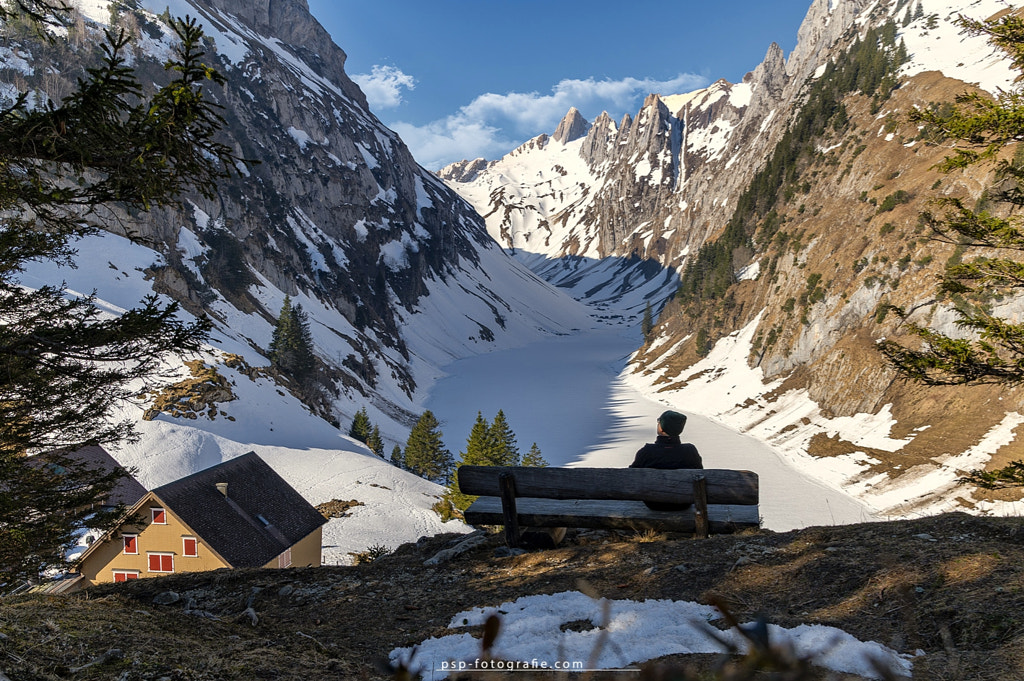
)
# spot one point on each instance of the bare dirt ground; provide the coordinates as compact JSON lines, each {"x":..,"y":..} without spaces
{"x":951,"y":586}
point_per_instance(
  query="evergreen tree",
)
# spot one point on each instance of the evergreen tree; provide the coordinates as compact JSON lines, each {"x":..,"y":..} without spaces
{"x":375,"y":442}
{"x":425,"y":453}
{"x":982,"y":127}
{"x":491,"y":444}
{"x":919,"y":10}
{"x":66,"y":365}
{"x":361,"y":426}
{"x":397,"y":457}
{"x":480,"y":451}
{"x":533,"y":457}
{"x":647,"y":325}
{"x":908,"y":17}
{"x":481,"y":448}
{"x":506,"y":449}
{"x":291,"y":347}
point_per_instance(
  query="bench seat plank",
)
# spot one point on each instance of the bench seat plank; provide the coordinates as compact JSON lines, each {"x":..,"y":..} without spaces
{"x":608,"y":514}
{"x":639,"y":484}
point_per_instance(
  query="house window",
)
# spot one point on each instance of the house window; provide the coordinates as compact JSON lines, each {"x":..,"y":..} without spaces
{"x":189,"y":547}
{"x":125,"y":575}
{"x":161,"y":562}
{"x":285,"y":559}
{"x":131,"y":543}
{"x":159,"y":516}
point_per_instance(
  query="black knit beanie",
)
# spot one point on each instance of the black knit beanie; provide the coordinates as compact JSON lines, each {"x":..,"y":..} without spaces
{"x":672,"y":422}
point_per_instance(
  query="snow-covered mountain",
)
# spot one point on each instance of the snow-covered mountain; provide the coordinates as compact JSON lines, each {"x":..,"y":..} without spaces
{"x":396,"y":273}
{"x":788,"y":205}
{"x":400,"y":276}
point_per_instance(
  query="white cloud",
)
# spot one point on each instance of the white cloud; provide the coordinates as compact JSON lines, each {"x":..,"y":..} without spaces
{"x":441,"y":142}
{"x":493,"y":124}
{"x":383,"y":86}
{"x":530,"y":111}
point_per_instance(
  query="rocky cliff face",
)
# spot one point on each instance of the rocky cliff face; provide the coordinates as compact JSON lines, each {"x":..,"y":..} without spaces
{"x":781,"y":345}
{"x":334,"y":212}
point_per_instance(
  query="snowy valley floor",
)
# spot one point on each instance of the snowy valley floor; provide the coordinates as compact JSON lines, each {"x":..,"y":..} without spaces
{"x":567,"y":394}
{"x":940,"y":597}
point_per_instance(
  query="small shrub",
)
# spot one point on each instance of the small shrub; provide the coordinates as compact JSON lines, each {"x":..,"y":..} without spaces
{"x":370,"y":554}
{"x":893,"y":200}
{"x":445,"y":508}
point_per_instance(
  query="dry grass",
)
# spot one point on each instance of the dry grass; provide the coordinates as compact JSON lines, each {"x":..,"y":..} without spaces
{"x":960,"y":599}
{"x":649,"y":535}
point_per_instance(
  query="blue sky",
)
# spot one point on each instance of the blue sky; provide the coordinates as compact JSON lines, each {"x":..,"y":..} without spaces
{"x":469,"y":78}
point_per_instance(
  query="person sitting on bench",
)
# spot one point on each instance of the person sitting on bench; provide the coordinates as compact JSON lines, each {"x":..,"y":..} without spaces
{"x":668,"y":452}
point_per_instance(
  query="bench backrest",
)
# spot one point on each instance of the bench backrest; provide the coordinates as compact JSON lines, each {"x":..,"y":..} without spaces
{"x":627,"y":484}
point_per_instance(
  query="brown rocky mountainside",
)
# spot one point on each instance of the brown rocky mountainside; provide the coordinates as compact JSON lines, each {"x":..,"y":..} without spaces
{"x":948,"y":590}
{"x":849,"y":244}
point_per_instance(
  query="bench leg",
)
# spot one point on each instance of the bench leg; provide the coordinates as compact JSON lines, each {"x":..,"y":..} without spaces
{"x":700,"y":507}
{"x":507,"y":484}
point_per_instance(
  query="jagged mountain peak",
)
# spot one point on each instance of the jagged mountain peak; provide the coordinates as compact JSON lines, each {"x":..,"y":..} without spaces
{"x":770,"y":75}
{"x":825,"y":23}
{"x":625,"y":124}
{"x":572,"y":127}
{"x":651,"y":100}
{"x":463,"y":171}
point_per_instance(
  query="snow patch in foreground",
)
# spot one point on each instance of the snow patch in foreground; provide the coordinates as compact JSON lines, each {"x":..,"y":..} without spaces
{"x":627,"y":632}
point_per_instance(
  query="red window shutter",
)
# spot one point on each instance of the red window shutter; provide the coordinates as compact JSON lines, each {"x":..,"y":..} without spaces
{"x":131,"y":575}
{"x":159,"y":516}
{"x":190,"y":547}
{"x":120,"y":577}
{"x":167,"y":563}
{"x":154,"y":562}
{"x":131,"y":544}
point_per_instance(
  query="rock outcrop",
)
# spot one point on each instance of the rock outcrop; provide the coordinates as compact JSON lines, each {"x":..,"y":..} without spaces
{"x":572,"y":127}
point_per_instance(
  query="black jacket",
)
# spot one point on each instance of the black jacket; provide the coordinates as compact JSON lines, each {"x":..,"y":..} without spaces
{"x":667,"y":453}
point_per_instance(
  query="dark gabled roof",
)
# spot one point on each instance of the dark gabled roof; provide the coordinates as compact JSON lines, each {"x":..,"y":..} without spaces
{"x":261,"y":516}
{"x":127,"y":491}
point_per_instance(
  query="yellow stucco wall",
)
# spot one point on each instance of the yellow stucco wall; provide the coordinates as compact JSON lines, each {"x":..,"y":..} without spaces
{"x":99,"y":566}
{"x":307,"y":551}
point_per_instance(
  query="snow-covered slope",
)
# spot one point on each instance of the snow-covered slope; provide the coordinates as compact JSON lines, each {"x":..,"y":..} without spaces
{"x":397,"y":274}
{"x":312,"y":455}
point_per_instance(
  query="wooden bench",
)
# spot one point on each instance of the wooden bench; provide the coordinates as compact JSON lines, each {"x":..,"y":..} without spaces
{"x":611,"y":498}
